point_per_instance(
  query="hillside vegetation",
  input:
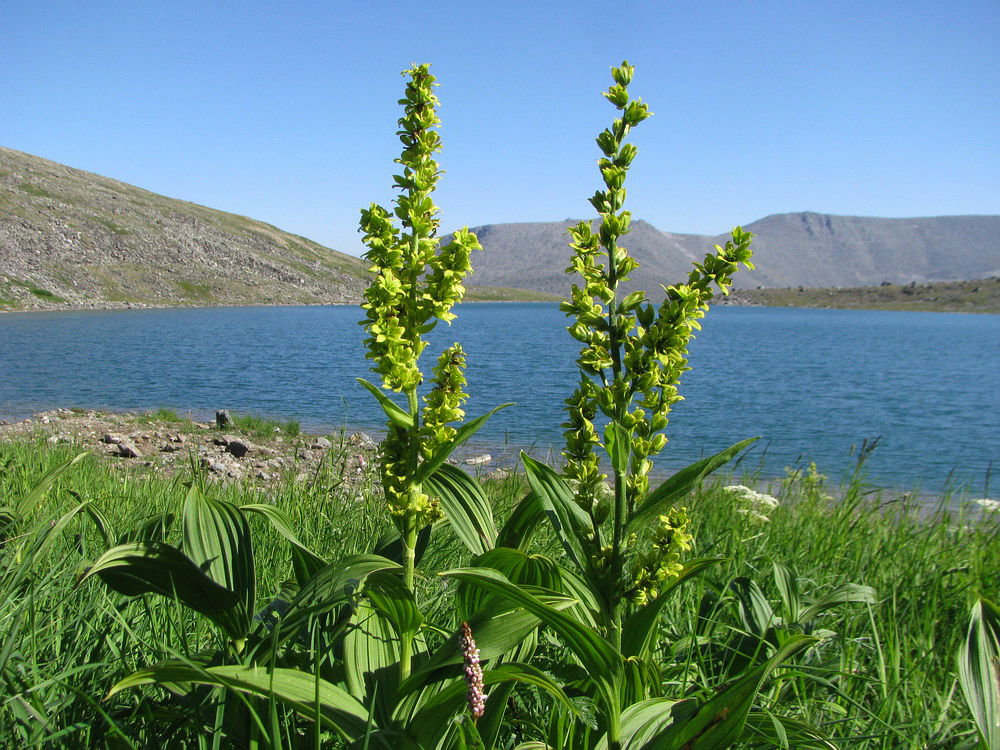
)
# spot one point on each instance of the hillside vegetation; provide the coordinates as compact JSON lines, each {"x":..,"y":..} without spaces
{"x":978,"y":296}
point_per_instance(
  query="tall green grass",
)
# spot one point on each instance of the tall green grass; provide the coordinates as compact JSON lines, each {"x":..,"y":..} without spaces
{"x":884,"y":675}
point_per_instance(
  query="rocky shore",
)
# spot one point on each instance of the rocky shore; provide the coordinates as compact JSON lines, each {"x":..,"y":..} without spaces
{"x":167,"y":447}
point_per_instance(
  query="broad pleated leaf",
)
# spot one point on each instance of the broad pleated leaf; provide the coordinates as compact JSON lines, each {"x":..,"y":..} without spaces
{"x":597,"y":656}
{"x":397,"y":415}
{"x":305,"y":562}
{"x":517,"y":532}
{"x":617,"y":442}
{"x":498,"y":628}
{"x":755,"y":611}
{"x":394,"y":601}
{"x":427,"y":725}
{"x":518,"y":567}
{"x":466,"y":431}
{"x":788,"y":586}
{"x":683,"y":482}
{"x":570,"y":524}
{"x":979,"y":670}
{"x":217,"y":539}
{"x":465,"y":505}
{"x":371,"y":654}
{"x":709,"y":725}
{"x":334,"y":585}
{"x":157,"y":568}
{"x":337,"y":710}
{"x":640,"y":630}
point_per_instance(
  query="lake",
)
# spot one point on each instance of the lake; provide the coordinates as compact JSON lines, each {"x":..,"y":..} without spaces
{"x":813,"y":383}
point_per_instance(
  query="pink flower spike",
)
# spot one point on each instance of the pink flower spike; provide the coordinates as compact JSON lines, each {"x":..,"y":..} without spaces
{"x":473,"y":674}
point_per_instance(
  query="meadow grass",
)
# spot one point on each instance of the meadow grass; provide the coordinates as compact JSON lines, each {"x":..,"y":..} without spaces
{"x":883,"y":677}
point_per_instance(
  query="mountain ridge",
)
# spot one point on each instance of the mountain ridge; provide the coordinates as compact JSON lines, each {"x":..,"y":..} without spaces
{"x":73,"y":239}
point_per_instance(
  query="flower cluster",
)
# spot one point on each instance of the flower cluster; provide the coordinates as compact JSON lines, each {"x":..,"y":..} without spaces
{"x":659,"y":558}
{"x":633,"y":352}
{"x":444,"y":401}
{"x":756,"y":506}
{"x":475,"y":696}
{"x":416,"y":283}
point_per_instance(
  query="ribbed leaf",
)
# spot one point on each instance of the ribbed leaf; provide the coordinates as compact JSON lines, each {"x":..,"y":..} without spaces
{"x":466,"y":507}
{"x":788,"y":587}
{"x":157,"y":568}
{"x":305,"y":562}
{"x":524,"y":521}
{"x":393,"y":411}
{"x":597,"y":656}
{"x":617,"y":442}
{"x":335,"y":584}
{"x":394,"y":601}
{"x":979,"y":670}
{"x":570,"y":524}
{"x":498,"y":628}
{"x":371,"y":654}
{"x":639,"y":631}
{"x":683,"y":482}
{"x":337,"y":710}
{"x":466,"y":431}
{"x":518,"y":567}
{"x":755,"y":611}
{"x":427,"y":726}
{"x":217,"y":539}
{"x":710,"y":725}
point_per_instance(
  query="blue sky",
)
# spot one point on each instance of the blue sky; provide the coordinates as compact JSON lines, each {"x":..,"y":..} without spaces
{"x":286,"y":111}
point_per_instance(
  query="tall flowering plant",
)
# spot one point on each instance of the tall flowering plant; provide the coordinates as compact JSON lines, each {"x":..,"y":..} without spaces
{"x":416,"y":284}
{"x":624,"y":543}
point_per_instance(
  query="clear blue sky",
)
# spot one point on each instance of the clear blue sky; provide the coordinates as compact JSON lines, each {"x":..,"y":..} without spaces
{"x":286,"y":111}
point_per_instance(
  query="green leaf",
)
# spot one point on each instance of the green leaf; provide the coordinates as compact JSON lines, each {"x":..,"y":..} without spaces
{"x":337,"y":710}
{"x":498,"y":627}
{"x":597,"y":656}
{"x":34,"y":496}
{"x":427,"y":725}
{"x":519,"y":567}
{"x":465,"y":505}
{"x":517,"y":532}
{"x":394,"y":601}
{"x":788,"y":587}
{"x":466,"y":431}
{"x":640,"y":630}
{"x":334,"y":585}
{"x":710,"y":725}
{"x":979,"y":670}
{"x":393,"y":411}
{"x":217,"y":539}
{"x":371,"y":654}
{"x":305,"y":562}
{"x":683,"y":482}
{"x":617,"y":442}
{"x":756,"y":614}
{"x":157,"y":568}
{"x":843,"y":594}
{"x":570,"y":524}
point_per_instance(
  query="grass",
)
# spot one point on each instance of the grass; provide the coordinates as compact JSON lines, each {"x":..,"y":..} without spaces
{"x":978,"y":296}
{"x":27,"y":187}
{"x":264,"y":426}
{"x":883,"y":677}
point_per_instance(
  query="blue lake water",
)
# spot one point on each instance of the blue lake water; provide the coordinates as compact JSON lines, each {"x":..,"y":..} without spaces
{"x":813,"y":383}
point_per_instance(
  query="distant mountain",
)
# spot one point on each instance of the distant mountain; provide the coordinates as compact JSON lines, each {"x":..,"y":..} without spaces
{"x":69,"y":237}
{"x":802,"y":249}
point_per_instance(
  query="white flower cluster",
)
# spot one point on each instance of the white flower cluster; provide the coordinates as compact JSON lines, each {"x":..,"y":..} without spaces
{"x":756,"y":505}
{"x":989,"y":506}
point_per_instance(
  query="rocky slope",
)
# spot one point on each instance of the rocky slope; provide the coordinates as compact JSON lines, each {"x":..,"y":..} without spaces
{"x":790,"y":250}
{"x":72,"y":238}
